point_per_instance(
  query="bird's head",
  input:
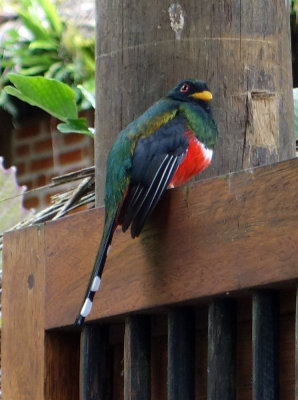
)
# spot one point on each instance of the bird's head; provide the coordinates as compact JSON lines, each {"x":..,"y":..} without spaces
{"x":193,"y":91}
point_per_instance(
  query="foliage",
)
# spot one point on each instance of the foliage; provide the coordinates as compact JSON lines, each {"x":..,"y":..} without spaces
{"x":48,"y":46}
{"x":54,"y":97}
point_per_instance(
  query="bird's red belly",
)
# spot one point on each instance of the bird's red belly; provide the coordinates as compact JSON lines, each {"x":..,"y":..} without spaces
{"x":197,"y":158}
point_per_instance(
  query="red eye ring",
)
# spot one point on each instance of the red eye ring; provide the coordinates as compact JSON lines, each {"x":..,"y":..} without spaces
{"x":184,"y":88}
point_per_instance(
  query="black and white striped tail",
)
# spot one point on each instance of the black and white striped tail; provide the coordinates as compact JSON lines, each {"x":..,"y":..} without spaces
{"x":95,"y":278}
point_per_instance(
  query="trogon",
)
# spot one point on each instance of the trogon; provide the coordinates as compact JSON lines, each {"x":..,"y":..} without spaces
{"x":163,"y":148}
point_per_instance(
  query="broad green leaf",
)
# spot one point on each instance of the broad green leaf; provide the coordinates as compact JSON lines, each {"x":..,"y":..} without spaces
{"x":54,"y":97}
{"x":78,"y":125}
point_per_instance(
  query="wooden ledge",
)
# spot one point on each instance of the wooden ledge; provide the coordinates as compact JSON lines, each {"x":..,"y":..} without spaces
{"x":221,"y":235}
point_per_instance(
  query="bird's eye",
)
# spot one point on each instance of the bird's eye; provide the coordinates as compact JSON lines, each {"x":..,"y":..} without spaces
{"x":184,"y":88}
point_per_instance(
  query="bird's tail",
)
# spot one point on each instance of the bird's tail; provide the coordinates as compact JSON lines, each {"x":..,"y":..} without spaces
{"x":95,"y":277}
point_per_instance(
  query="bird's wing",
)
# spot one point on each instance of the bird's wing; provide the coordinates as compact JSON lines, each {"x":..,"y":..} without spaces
{"x":154,"y":163}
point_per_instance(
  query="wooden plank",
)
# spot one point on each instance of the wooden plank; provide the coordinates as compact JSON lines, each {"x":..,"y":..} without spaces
{"x":222,"y":350}
{"x":137,"y":381}
{"x":23,"y":356}
{"x":234,"y":226}
{"x":181,"y":354}
{"x":265,"y":345}
{"x":95,"y":366}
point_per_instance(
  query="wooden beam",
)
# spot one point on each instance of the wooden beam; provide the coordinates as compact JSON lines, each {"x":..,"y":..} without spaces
{"x":233,"y":226}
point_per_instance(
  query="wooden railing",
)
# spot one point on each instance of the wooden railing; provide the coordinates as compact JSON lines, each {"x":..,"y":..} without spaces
{"x":210,"y":285}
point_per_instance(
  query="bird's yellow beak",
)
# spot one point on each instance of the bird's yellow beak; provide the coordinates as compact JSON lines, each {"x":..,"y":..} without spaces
{"x":205,"y":95}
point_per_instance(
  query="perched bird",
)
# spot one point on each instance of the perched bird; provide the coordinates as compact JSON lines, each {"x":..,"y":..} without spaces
{"x":165,"y":147}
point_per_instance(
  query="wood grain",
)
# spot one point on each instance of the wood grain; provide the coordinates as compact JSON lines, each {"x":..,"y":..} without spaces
{"x":265,"y":338}
{"x":95,"y":363}
{"x":23,"y":315}
{"x":61,"y":365}
{"x":222,"y":350}
{"x":137,"y":350}
{"x":221,"y":235}
{"x":181,"y":354}
{"x":232,"y":45}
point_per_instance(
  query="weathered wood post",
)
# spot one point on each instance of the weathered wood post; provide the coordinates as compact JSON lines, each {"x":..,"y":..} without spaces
{"x":242,"y":49}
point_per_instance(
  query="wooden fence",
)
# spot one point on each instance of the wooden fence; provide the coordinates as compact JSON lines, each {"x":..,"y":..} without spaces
{"x":201,"y":306}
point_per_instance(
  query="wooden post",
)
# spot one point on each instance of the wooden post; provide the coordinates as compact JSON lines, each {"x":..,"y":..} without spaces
{"x":94,"y":369}
{"x":23,"y":316}
{"x":265,"y":345}
{"x":137,"y":384}
{"x":222,"y":350}
{"x":242,"y":49}
{"x":181,"y":354}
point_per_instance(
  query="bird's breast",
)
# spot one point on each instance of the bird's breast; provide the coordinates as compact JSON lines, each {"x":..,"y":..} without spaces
{"x":197,"y":158}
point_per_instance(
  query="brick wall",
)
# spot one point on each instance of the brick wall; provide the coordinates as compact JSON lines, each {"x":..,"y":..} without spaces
{"x":40,"y":152}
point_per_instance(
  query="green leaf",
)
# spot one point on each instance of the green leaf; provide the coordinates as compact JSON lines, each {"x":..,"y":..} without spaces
{"x":52,"y":96}
{"x":34,"y":25}
{"x":38,"y":69}
{"x":28,"y":60}
{"x":78,"y":125}
{"x":43,"y":45}
{"x":52,"y":15}
{"x":88,"y":94}
{"x":54,"y":68}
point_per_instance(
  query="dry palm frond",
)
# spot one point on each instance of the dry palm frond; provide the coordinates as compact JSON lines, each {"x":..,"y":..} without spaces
{"x":63,"y":203}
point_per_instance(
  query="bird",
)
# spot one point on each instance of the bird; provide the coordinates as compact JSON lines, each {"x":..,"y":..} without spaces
{"x":165,"y":147}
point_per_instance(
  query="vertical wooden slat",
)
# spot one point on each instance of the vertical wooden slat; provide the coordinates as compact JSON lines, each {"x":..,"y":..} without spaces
{"x":137,"y":358}
{"x":265,"y":345}
{"x":181,"y":354}
{"x":23,"y":355}
{"x":221,"y":350}
{"x":95,"y":376}
{"x":296,"y":345}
